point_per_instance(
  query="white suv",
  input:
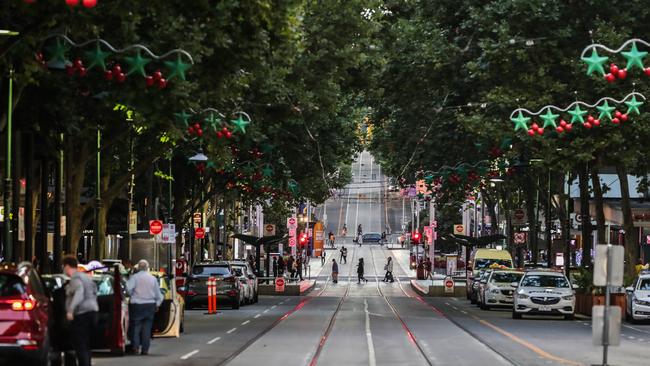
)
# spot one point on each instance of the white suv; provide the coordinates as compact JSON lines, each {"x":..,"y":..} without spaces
{"x":498,"y":290}
{"x":638,"y":299}
{"x":543,"y":293}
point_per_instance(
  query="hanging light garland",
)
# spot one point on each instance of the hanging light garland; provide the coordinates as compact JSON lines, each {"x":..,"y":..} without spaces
{"x":630,"y":51}
{"x":116,"y":64}
{"x":194,"y":122}
{"x":522,"y":117}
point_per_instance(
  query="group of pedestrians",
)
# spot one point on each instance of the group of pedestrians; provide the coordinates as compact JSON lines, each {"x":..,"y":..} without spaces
{"x":388,"y":267}
{"x":82,"y":308}
{"x":293,"y":266}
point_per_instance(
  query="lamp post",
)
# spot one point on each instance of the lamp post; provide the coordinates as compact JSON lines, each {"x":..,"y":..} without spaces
{"x":8,"y":248}
{"x":200,"y":158}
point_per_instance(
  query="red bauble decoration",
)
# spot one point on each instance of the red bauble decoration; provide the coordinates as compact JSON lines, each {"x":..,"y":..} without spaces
{"x":219,"y":134}
{"x":197,"y":126}
{"x":613,"y":69}
{"x":149,"y":81}
{"x":617,"y":114}
{"x":78,"y":63}
{"x":568,"y":127}
{"x":224,"y":130}
{"x":157,"y":75}
{"x":590,"y":118}
{"x":616,"y":121}
{"x":70,"y":70}
{"x":623,"y":117}
{"x":563,"y":123}
{"x":199,"y":132}
{"x":535,"y":126}
{"x":622,"y":74}
{"x":647,"y":71}
{"x":108,"y":75}
{"x":587,"y":125}
{"x":540,"y":131}
{"x":29,"y":1}
{"x":117,"y":69}
{"x":559,"y":129}
{"x":228,"y":134}
{"x":90,"y":3}
{"x":72,"y":2}
{"x":120,"y":77}
{"x":162,"y":84}
{"x":610,"y":78}
{"x":190,"y":130}
{"x":596,"y":122}
{"x":83,"y":71}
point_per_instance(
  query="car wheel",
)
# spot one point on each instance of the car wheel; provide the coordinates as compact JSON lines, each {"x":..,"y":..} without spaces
{"x":569,"y":317}
{"x":181,"y":328}
{"x":235,"y":305}
{"x":472,"y":300}
{"x":256,"y":298}
{"x":484,"y":307}
{"x":516,"y":315}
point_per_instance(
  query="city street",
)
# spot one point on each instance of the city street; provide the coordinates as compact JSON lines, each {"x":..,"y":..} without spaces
{"x":378,"y":323}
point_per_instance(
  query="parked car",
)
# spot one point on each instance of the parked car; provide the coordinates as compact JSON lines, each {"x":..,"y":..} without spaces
{"x":113,"y":315}
{"x":25,"y":316}
{"x":249,"y":278}
{"x":228,"y":286}
{"x":170,"y":317}
{"x":638,"y":299}
{"x":498,"y":290}
{"x":371,"y":238}
{"x":473,"y":287}
{"x":543,"y":293}
{"x":480,"y":286}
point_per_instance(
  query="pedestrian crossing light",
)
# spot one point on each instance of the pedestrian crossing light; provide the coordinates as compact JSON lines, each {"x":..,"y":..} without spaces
{"x":303,"y":239}
{"x":415,"y":238}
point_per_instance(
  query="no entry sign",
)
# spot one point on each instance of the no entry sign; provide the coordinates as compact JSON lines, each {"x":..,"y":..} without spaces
{"x":155,"y":227}
{"x":199,"y":233}
{"x":449,"y":285}
{"x":279,"y":284}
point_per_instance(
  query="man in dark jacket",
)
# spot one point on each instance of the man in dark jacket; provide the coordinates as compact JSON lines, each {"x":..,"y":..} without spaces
{"x":81,"y":309}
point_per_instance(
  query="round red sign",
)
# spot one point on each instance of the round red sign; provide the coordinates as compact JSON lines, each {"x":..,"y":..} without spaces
{"x":155,"y":227}
{"x":199,"y":233}
{"x":279,"y":282}
{"x":449,"y":283}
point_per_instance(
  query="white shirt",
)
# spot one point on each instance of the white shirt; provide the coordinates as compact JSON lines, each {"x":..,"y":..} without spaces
{"x":144,"y":289}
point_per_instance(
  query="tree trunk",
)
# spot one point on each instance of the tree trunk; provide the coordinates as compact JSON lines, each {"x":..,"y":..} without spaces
{"x":75,"y":173}
{"x":583,"y":181}
{"x":631,"y":240}
{"x":598,"y":203}
{"x":531,"y":205}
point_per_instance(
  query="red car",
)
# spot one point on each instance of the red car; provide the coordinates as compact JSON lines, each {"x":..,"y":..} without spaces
{"x":25,"y":316}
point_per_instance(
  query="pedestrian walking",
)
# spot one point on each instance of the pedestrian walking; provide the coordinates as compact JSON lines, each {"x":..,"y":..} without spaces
{"x":359,"y":230}
{"x":281,"y":266}
{"x":388,"y":267}
{"x":275,"y":266}
{"x":322,"y":257}
{"x":341,"y":252}
{"x":332,"y":239}
{"x":81,"y":309}
{"x":143,"y":304}
{"x":344,"y":231}
{"x":383,"y":238}
{"x":335,"y":271}
{"x":291,"y":268}
{"x":299,"y":266}
{"x":359,"y":240}
{"x":360,"y":276}
{"x":345,"y":255}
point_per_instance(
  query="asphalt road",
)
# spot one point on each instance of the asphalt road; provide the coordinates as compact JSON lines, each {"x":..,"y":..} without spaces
{"x":377,"y":323}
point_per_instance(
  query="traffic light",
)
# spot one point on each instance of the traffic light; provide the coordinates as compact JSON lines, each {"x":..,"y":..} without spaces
{"x":303,"y":239}
{"x":415,"y":237}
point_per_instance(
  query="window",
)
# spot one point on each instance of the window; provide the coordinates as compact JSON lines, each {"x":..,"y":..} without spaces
{"x":220,"y":271}
{"x":104,"y":285}
{"x":35,"y":283}
{"x":505,"y":277}
{"x":11,"y":285}
{"x":544,"y":281}
{"x":644,"y":284}
{"x":482,"y":263}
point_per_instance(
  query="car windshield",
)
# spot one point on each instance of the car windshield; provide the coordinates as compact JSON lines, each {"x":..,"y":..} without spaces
{"x":11,"y":285}
{"x":104,"y":285}
{"x":371,"y":236}
{"x":505,"y":277}
{"x":219,"y":271}
{"x":644,"y":284}
{"x":533,"y":280}
{"x":487,"y":262}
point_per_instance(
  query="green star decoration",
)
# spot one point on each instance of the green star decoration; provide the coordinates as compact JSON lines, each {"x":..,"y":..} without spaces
{"x":177,"y":68}
{"x":521,"y":122}
{"x":267,"y":171}
{"x":549,"y":118}
{"x":213,"y":121}
{"x":97,"y":57}
{"x":633,"y":105}
{"x":605,"y":110}
{"x":577,"y":114}
{"x":57,"y":51}
{"x":595,"y":62}
{"x":240,"y":124}
{"x":634,"y":57}
{"x":183,"y":117}
{"x":137,"y":64}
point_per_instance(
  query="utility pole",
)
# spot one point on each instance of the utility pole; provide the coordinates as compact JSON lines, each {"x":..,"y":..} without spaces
{"x":8,"y":245}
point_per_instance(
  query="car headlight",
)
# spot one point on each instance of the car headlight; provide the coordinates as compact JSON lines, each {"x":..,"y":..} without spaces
{"x":641,"y":302}
{"x":522,"y":296}
{"x":567,"y":297}
{"x":495,"y":291}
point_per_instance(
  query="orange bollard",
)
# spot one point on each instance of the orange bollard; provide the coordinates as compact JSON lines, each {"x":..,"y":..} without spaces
{"x":212,"y":295}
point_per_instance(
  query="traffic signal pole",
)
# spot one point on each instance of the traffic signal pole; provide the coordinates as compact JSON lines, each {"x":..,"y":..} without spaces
{"x":8,"y":246}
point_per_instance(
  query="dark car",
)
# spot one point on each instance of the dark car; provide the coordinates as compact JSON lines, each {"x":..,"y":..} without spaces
{"x":371,"y":238}
{"x":228,"y":286}
{"x":25,"y":316}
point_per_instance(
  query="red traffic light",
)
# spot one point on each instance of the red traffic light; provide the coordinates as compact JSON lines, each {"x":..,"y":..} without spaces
{"x":304,"y":238}
{"x":415,"y":237}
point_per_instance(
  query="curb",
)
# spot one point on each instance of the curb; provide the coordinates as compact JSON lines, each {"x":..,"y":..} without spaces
{"x":418,"y":289}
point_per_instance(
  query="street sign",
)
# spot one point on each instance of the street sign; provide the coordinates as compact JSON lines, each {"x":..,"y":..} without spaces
{"x":449,"y":285}
{"x":519,"y":217}
{"x":169,"y":233}
{"x":616,"y":256}
{"x":292,"y":223}
{"x":279,"y":284}
{"x":21,"y":223}
{"x":292,"y":232}
{"x":133,"y":222}
{"x":269,"y":230}
{"x":459,"y":229}
{"x":292,"y":241}
{"x":63,"y":225}
{"x":434,"y":224}
{"x":197,"y":219}
{"x":155,"y":227}
{"x":428,"y":231}
{"x":199,"y":233}
{"x":520,"y":238}
{"x":2,"y":213}
{"x":598,"y":323}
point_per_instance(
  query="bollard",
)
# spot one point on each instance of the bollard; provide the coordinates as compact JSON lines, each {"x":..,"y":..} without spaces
{"x":212,"y":295}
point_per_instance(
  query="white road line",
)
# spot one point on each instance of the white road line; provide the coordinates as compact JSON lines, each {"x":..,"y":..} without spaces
{"x":281,"y":302}
{"x":455,"y":308}
{"x":635,"y":328}
{"x":274,"y":306}
{"x":246,"y":322}
{"x":463,"y":311}
{"x":447,"y":304}
{"x":266,"y":311}
{"x":257,"y":316}
{"x":188,"y":355}
{"x":214,"y":340}
{"x":371,"y":348}
{"x":232,"y":330}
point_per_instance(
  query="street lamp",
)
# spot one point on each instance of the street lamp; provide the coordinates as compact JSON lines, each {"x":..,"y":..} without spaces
{"x":199,"y":158}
